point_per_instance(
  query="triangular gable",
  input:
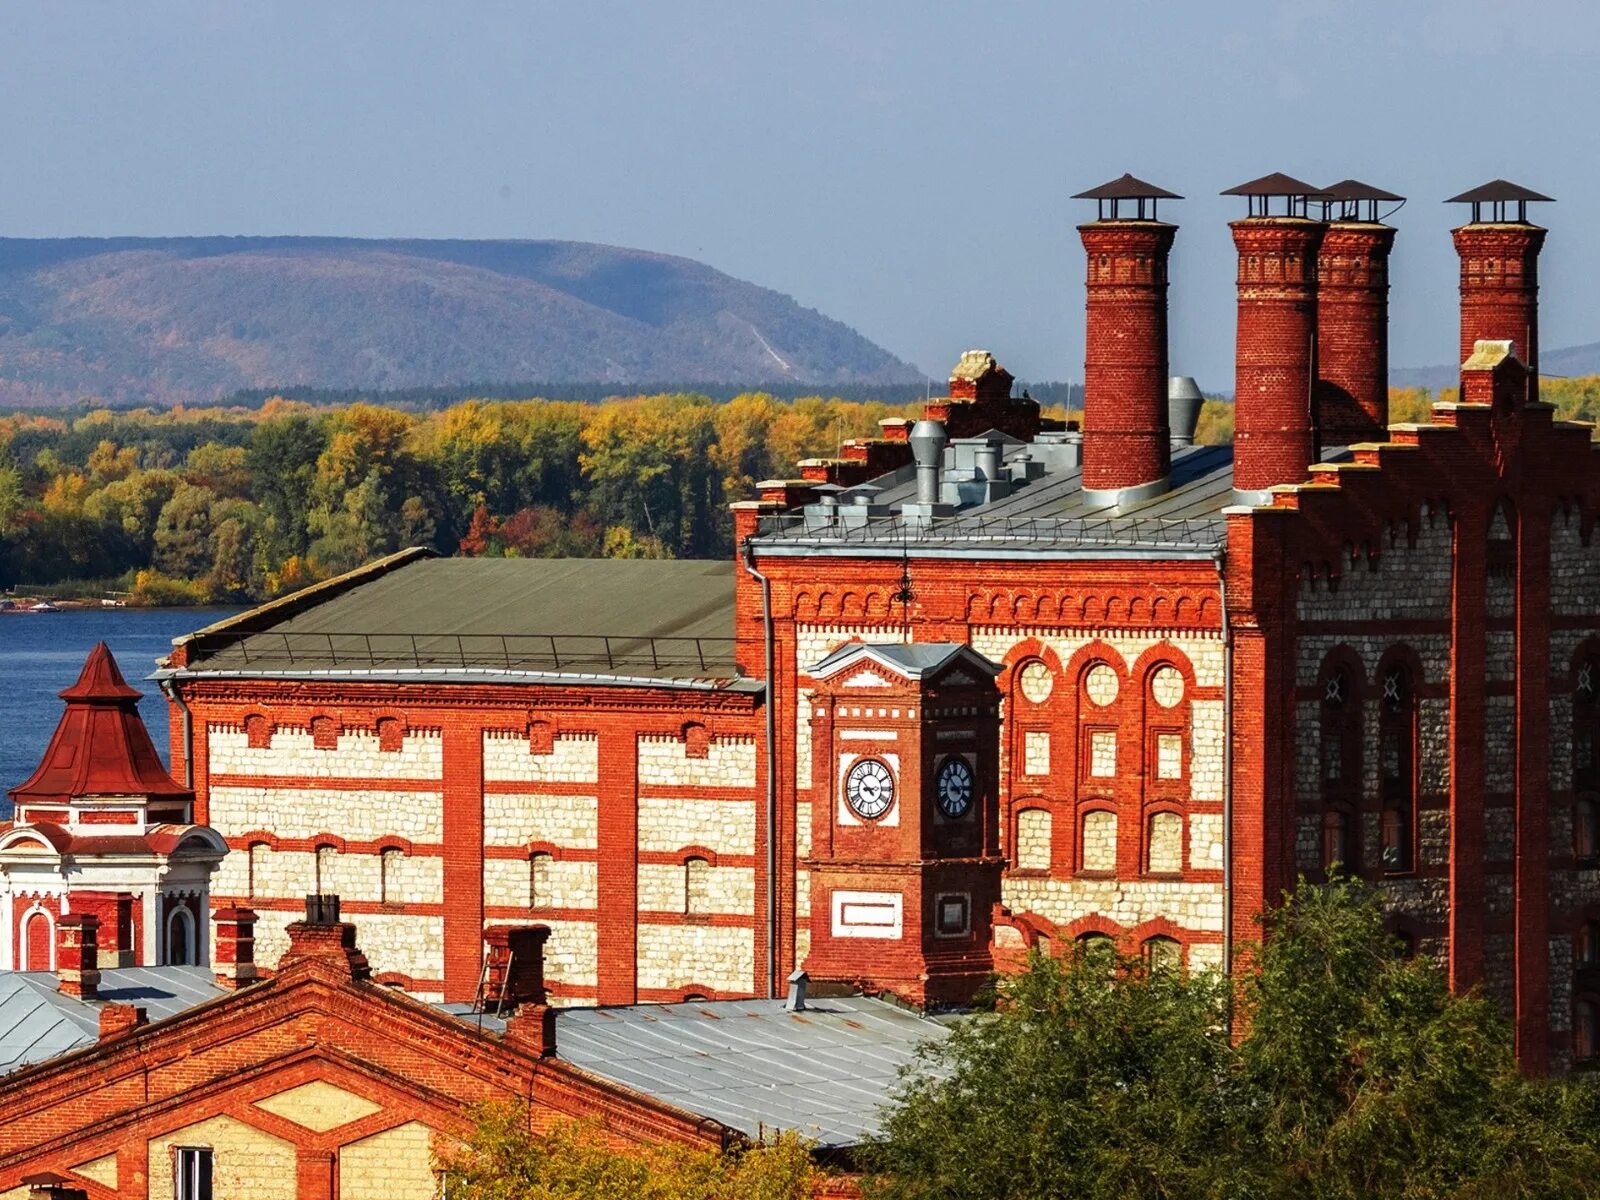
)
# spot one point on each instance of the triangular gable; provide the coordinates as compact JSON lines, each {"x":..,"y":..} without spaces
{"x":916,"y":661}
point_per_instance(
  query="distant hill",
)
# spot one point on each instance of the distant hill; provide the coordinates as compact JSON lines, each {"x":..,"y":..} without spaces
{"x":167,"y":320}
{"x":1571,"y":362}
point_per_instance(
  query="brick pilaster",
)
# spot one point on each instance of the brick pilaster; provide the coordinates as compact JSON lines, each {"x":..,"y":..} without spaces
{"x":618,"y":966}
{"x":463,"y":857}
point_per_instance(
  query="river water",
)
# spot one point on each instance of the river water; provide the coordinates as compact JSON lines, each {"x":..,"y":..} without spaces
{"x":42,"y":653}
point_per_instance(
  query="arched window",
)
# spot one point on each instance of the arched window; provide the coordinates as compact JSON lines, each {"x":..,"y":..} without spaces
{"x":322,"y":870}
{"x":1586,"y":830}
{"x":1397,"y":765}
{"x":1341,"y":734}
{"x":253,"y":867}
{"x":180,"y":938}
{"x":1098,"y":853}
{"x":1097,"y":948}
{"x":1164,"y":850}
{"x":696,"y":886}
{"x":1163,"y":953}
{"x":1586,"y":946}
{"x":1585,"y":1031}
{"x":1585,"y":718}
{"x":389,"y":876}
{"x":38,"y":943}
{"x":1337,"y":844}
{"x":1033,"y":839}
{"x":539,"y":879}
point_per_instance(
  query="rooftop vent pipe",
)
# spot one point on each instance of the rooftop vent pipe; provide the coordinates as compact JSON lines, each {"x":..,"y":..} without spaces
{"x":1184,"y":402}
{"x":927,"y":450}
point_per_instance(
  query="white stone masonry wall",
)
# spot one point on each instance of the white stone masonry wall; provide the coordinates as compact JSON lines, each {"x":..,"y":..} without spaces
{"x":713,"y":956}
{"x":357,"y":756}
{"x":1406,"y":582}
{"x":516,"y":820}
{"x":508,"y":759}
{"x":726,"y":889}
{"x":724,"y":826}
{"x":568,"y":884}
{"x":1574,"y":569}
{"x":1193,"y":906}
{"x":729,"y":763}
{"x":353,"y":815}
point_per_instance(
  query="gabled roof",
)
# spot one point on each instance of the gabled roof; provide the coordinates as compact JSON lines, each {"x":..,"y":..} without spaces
{"x":38,"y":1022}
{"x":915,"y":660}
{"x":101,"y":746}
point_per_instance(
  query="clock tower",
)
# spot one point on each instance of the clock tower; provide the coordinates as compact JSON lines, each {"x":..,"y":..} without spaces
{"x":905,"y":825}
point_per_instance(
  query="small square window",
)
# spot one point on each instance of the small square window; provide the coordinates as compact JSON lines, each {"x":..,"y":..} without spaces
{"x":1035,"y":753}
{"x":192,"y":1173}
{"x":952,"y":914}
{"x":1169,"y":756}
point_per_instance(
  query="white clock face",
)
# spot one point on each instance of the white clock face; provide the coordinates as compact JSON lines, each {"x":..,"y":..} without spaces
{"x":869,"y":789}
{"x":955,"y":788}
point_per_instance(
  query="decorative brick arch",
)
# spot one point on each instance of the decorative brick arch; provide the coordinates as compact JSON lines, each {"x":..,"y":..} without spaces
{"x":258,"y":731}
{"x":37,"y":949}
{"x":325,"y":732}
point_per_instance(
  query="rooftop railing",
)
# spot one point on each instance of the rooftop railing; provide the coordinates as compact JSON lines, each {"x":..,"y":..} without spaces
{"x":1176,"y":533}
{"x":570,"y":653}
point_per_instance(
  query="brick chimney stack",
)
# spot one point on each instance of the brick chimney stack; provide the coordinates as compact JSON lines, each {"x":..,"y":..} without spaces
{"x":514,"y":980}
{"x":78,"y":955}
{"x":1275,"y":363}
{"x":1127,"y":453}
{"x":1352,"y":392}
{"x":1499,"y":251}
{"x":235,"y":957}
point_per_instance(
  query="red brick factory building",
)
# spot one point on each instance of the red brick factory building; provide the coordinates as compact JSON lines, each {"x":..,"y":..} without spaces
{"x":985,"y":683}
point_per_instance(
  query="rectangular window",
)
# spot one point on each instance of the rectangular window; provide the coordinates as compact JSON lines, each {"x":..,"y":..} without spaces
{"x":1103,"y":754}
{"x":1035,"y":753}
{"x":1169,"y":756}
{"x":192,"y":1166}
{"x":953,"y":914}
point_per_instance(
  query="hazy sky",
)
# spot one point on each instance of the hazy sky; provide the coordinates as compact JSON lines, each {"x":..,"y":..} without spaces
{"x":904,"y":167}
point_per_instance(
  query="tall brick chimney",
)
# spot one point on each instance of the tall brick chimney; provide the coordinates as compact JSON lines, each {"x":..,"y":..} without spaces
{"x":235,"y":957}
{"x":1127,"y":453}
{"x":1499,"y":251}
{"x":1352,"y":391}
{"x":1275,"y":362}
{"x":514,"y":980}
{"x":78,"y":955}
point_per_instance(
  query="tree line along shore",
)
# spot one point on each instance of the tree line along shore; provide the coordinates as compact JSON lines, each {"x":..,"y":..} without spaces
{"x":225,"y":505}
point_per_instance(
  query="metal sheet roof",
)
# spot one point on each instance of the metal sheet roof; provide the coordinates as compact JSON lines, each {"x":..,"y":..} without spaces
{"x":650,"y":619}
{"x":1049,"y":515}
{"x":37,"y":1022}
{"x":824,"y":1072}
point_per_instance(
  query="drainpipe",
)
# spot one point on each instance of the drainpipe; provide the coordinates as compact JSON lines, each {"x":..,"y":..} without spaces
{"x":169,"y":688}
{"x":1220,"y":561}
{"x":749,"y":564}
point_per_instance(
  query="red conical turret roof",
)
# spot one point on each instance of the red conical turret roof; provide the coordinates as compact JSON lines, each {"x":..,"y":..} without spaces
{"x":101,"y":746}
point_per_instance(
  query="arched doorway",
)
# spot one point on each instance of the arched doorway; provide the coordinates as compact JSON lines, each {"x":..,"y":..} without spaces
{"x":180,"y":938}
{"x":37,"y":936}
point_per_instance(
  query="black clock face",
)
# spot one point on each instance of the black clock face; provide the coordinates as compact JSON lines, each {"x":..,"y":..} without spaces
{"x":869,"y":789}
{"x":954,"y":788}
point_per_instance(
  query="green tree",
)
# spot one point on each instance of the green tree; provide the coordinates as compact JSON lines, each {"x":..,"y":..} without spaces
{"x":281,"y":458}
{"x":1093,"y":1079}
{"x":183,"y":533}
{"x":1361,"y":1077}
{"x":504,"y":1158}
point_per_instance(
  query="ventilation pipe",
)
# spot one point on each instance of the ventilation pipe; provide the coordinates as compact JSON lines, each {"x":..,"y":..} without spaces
{"x":1184,"y":402}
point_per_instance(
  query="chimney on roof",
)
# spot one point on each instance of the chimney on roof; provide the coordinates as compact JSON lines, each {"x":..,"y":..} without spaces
{"x":1499,"y":251}
{"x":78,"y":955}
{"x":119,"y":1020}
{"x":1275,"y":362}
{"x":324,"y":945}
{"x":514,"y":979}
{"x":1352,"y":393}
{"x":799,"y":981}
{"x":235,"y":956}
{"x":1127,"y":453}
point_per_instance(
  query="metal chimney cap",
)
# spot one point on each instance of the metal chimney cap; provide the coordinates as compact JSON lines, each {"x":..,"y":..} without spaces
{"x":1183,"y":387}
{"x":796,"y":999}
{"x":928,"y":439}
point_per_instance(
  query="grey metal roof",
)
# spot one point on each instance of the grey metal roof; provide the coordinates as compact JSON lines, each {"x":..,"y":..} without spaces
{"x":1047,"y":516}
{"x":37,"y":1022}
{"x":824,"y":1072}
{"x":636,"y":619}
